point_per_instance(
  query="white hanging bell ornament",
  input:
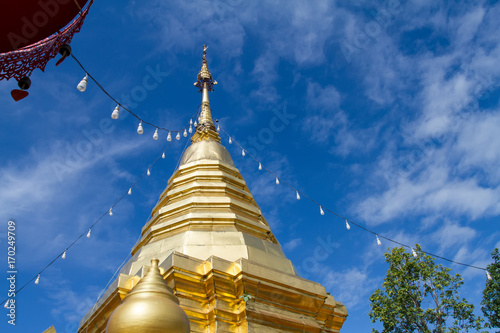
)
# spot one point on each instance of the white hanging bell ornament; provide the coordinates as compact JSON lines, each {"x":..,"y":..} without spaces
{"x":155,"y":136}
{"x":88,"y":233}
{"x":185,"y":134}
{"x":129,"y":191}
{"x":415,"y":255}
{"x":190,"y":129}
{"x":64,"y":255}
{"x":169,"y":137}
{"x":163,"y":155}
{"x":148,"y":173}
{"x":488,"y":275}
{"x":260,"y":166}
{"x":37,"y":281}
{"x":178,"y":136}
{"x":378,"y":241}
{"x":116,"y":113}
{"x":243,"y":153}
{"x":110,"y":212}
{"x":298,"y":195}
{"x":321,"y":210}
{"x":230,"y":140}
{"x":347,"y":225}
{"x":140,"y":130}
{"x":277,"y":181}
{"x":83,"y":83}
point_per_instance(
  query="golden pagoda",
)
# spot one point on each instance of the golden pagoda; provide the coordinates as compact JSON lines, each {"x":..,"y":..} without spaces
{"x":209,"y":242}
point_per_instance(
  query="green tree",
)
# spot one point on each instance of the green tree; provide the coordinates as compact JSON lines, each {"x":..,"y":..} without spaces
{"x":491,"y":293}
{"x":419,"y":295}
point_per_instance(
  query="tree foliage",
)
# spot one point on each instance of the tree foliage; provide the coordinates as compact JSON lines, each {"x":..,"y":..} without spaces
{"x":491,"y":294}
{"x":419,"y":295}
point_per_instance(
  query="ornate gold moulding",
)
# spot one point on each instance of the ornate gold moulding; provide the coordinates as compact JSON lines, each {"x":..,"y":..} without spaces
{"x":241,"y":296}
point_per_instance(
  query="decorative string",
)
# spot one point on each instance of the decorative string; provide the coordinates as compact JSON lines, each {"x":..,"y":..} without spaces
{"x":323,"y":208}
{"x":195,"y":116}
{"x":87,"y":231}
{"x":79,"y":7}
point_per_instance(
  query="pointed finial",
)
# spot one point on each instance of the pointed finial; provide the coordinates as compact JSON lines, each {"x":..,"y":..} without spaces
{"x":206,"y":129}
{"x":204,"y":75}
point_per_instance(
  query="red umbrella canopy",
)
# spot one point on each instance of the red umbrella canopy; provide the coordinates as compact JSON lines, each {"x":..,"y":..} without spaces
{"x":26,"y":22}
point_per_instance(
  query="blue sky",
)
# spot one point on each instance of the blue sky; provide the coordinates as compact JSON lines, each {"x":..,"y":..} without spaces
{"x":386,"y":112}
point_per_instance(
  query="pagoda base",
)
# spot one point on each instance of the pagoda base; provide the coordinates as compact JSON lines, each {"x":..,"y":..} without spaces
{"x":223,"y":296}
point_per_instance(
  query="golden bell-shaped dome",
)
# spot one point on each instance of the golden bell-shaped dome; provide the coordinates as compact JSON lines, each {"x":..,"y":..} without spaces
{"x":149,"y":307}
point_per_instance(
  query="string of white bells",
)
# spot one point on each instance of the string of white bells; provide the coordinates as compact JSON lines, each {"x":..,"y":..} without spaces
{"x":82,"y":87}
{"x":347,"y":224}
{"x":88,"y":233}
{"x":140,"y":129}
{"x":321,"y":211}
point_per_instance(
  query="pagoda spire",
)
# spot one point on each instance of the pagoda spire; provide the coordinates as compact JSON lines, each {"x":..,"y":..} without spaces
{"x":206,"y":129}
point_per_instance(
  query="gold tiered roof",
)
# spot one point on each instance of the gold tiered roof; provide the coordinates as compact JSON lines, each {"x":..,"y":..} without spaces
{"x":207,"y":208}
{"x":217,"y":252}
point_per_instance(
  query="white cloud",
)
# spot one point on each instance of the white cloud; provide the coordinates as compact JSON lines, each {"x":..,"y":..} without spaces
{"x":216,"y":24}
{"x":65,"y":301}
{"x":44,"y":174}
{"x":354,"y":141}
{"x":478,"y":142}
{"x":451,"y":235}
{"x":431,"y":192}
{"x":324,"y":99}
{"x":264,"y":72}
{"x":324,"y":113}
{"x":468,"y":25}
{"x":292,"y":31}
{"x":352,"y":286}
{"x":48,"y":206}
{"x":327,"y":123}
{"x":443,"y":99}
{"x":476,"y":257}
{"x":447,"y":161}
{"x":292,"y":244}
